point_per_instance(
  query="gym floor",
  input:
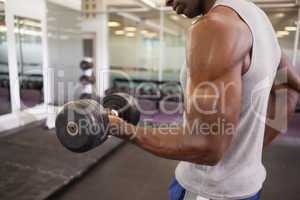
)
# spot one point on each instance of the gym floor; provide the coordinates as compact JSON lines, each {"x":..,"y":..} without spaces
{"x":35,"y":165}
{"x":132,"y":174}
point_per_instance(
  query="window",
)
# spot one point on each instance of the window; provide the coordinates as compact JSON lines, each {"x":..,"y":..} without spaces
{"x":29,"y":51}
{"x":5,"y":104}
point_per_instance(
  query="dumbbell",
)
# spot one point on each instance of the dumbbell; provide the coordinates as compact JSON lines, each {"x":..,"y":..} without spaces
{"x":85,"y":65}
{"x":83,"y":125}
{"x":85,"y":80}
{"x":87,"y":96}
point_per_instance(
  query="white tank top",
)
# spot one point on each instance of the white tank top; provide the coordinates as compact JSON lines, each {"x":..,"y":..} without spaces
{"x":241,"y":174}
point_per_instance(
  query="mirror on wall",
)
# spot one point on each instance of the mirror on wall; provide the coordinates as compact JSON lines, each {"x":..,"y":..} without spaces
{"x":29,"y":53}
{"x":5,"y":103}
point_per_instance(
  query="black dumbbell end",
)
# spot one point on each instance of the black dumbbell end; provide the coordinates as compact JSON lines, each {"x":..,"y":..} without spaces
{"x":125,"y":105}
{"x":81,"y":125}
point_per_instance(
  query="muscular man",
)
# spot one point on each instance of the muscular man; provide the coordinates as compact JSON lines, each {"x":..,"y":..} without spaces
{"x":233,"y":59}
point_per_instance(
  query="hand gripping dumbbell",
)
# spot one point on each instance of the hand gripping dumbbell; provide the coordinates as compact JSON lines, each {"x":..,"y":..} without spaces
{"x":83,"y":125}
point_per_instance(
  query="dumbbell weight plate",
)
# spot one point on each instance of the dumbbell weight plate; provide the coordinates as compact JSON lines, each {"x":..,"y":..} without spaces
{"x":81,"y":125}
{"x":87,"y":80}
{"x":125,"y":105}
{"x":84,"y":65}
{"x":86,"y":96}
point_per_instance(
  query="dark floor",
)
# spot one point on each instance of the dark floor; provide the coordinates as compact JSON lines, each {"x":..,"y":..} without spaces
{"x":282,"y":161}
{"x":132,"y":174}
{"x":128,"y":174}
{"x":34,"y":164}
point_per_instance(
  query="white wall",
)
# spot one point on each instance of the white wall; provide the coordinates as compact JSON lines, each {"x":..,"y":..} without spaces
{"x":136,"y":52}
{"x":27,"y":8}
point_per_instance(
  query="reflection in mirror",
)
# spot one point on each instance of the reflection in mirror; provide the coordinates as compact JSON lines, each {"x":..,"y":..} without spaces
{"x":29,"y":51}
{"x":148,"y":47}
{"x":5,"y":105}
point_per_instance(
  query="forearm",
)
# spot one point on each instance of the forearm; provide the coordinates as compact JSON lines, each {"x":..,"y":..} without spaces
{"x":212,"y":110}
{"x":278,"y":114}
{"x":293,"y":79}
{"x":288,"y":74}
{"x":174,"y":143}
{"x":270,"y":135}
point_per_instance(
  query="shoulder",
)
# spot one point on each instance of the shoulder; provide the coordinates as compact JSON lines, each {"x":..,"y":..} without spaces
{"x":224,"y":33}
{"x":222,"y":19}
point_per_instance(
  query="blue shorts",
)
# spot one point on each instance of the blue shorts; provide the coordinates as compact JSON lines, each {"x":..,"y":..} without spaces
{"x":177,"y":192}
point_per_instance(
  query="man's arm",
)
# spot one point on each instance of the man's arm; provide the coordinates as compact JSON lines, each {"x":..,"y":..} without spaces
{"x":286,"y":86}
{"x":213,"y":97}
{"x":289,"y":71}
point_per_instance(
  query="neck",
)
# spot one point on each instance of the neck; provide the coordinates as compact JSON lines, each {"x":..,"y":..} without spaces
{"x":208,"y":4}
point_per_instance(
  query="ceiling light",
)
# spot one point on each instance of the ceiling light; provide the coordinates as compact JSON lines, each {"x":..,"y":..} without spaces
{"x":64,"y":37}
{"x":144,"y":32}
{"x":32,"y":33}
{"x":3,"y":29}
{"x":150,"y":35}
{"x":32,"y":23}
{"x":283,"y":33}
{"x":113,"y":24}
{"x":279,"y":15}
{"x":280,"y":36}
{"x":290,"y":28}
{"x":120,"y":32}
{"x":130,"y":29}
{"x":27,"y":32}
{"x":130,"y":34}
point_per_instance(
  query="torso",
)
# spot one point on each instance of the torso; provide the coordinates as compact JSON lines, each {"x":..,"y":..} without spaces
{"x":241,"y":173}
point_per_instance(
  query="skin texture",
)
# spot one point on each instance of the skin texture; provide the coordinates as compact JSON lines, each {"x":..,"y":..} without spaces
{"x":286,"y":69}
{"x":216,"y":63}
{"x":219,"y":53}
{"x":190,"y":8}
